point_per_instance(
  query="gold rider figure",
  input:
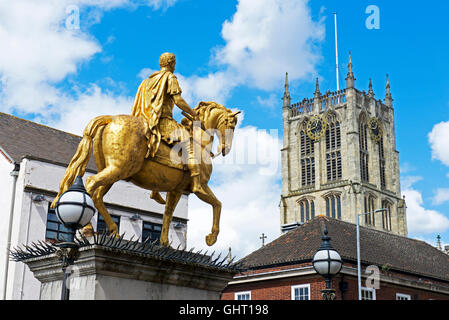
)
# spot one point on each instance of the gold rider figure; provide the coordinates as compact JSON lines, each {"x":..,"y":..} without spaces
{"x":154,"y":102}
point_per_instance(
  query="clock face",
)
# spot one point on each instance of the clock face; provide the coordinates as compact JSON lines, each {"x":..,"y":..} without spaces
{"x":375,"y":129}
{"x":316,"y":127}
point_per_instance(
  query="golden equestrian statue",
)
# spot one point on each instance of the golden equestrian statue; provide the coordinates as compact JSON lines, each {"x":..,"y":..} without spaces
{"x":153,"y":151}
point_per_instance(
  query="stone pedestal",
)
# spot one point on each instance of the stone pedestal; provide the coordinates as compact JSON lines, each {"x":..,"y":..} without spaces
{"x":101,"y":273}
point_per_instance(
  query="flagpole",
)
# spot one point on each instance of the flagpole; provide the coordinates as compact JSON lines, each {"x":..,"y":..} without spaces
{"x":336,"y":50}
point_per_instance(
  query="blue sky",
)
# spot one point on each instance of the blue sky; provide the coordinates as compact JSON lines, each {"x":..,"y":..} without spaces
{"x":237,"y":53}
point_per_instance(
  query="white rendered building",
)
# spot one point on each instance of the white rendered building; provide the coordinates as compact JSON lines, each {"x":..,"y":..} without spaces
{"x":33,"y":159}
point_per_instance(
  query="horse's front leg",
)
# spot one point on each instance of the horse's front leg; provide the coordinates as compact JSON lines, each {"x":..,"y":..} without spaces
{"x":172,"y":201}
{"x":216,"y":206}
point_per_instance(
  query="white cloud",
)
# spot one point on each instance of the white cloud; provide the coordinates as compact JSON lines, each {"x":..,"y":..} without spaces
{"x":145,"y":73}
{"x":157,"y":4}
{"x":213,"y":87}
{"x":266,"y":38}
{"x":419,"y":219}
{"x":75,"y":113}
{"x":271,"y":102}
{"x":439,"y":141}
{"x":441,"y":196}
{"x":37,"y":52}
{"x":249,"y":191}
{"x":408,"y":181}
{"x":407,"y":168}
{"x":422,"y":220}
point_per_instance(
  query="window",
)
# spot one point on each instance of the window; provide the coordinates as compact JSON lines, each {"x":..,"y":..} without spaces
{"x":368,"y":294}
{"x":364,"y":155}
{"x":383,"y":183}
{"x":306,"y":210}
{"x":401,"y":296}
{"x":307,"y":160}
{"x":55,"y":230}
{"x":301,"y":292}
{"x":369,"y":206}
{"x":386,"y":215}
{"x":152,"y":231}
{"x":333,"y":206}
{"x":243,"y":295}
{"x":333,"y":149}
{"x":101,"y":224}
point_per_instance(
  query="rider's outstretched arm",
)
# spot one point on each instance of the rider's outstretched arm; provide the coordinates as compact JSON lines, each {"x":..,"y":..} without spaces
{"x":183,"y":105}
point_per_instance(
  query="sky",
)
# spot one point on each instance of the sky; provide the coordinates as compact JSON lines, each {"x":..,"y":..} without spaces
{"x":64,"y":62}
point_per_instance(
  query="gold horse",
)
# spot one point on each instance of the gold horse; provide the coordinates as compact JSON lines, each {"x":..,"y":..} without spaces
{"x":120,"y":145}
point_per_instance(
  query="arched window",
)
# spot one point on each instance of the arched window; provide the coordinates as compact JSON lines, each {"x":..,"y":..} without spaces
{"x":333,"y":206}
{"x":364,"y":155}
{"x":369,"y":205}
{"x":383,"y":182}
{"x":386,"y":215}
{"x":333,"y":149}
{"x":307,"y":160}
{"x":306,"y":210}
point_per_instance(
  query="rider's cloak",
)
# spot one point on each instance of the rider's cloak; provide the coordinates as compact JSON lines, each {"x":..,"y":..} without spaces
{"x":154,"y":101}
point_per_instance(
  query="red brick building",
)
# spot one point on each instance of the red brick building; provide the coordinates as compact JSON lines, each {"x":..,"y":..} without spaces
{"x":393,"y":267}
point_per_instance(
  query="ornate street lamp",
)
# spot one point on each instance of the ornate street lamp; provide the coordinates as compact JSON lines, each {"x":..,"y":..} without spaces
{"x":327,"y":262}
{"x":74,"y":210}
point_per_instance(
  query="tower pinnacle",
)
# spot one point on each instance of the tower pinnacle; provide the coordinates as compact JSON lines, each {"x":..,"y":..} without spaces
{"x":317,"y":87}
{"x":350,"y":80}
{"x":388,"y":97}
{"x":350,"y":63}
{"x":370,"y":91}
{"x":388,"y":87}
{"x":286,"y":97}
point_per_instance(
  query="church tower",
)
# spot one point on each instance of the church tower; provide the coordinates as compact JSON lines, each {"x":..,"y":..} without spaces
{"x":339,"y":158}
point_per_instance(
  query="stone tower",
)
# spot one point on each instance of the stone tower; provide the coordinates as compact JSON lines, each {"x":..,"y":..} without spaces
{"x":339,"y":158}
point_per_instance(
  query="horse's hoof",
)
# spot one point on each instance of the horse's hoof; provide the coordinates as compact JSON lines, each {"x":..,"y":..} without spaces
{"x":114,"y":234}
{"x":87,"y":231}
{"x":156,"y":196}
{"x":211,"y":239}
{"x":164,"y":243}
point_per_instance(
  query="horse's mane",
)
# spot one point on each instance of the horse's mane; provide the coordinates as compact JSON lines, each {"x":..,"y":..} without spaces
{"x":204,"y":108}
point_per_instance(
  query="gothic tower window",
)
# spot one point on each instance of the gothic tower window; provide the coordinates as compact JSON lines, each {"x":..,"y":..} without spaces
{"x":383,"y":183}
{"x":306,"y":210}
{"x":364,"y":154}
{"x":307,"y":160}
{"x":369,"y":205}
{"x":386,"y":215}
{"x":333,"y":206}
{"x":333,"y":149}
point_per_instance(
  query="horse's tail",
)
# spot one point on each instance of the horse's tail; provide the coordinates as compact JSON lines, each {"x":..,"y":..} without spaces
{"x":78,"y":164}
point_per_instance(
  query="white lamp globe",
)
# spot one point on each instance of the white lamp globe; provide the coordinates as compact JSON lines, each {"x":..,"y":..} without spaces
{"x":75,"y":207}
{"x":327,"y":261}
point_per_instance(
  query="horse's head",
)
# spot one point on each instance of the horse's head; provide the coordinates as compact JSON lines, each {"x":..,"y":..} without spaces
{"x":215,"y":116}
{"x":226,"y":129}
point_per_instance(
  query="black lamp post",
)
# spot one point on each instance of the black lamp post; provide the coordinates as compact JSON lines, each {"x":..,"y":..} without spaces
{"x":74,"y":210}
{"x":327,"y":262}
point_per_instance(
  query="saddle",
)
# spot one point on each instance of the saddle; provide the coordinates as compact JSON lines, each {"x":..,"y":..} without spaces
{"x":163,"y":156}
{"x":164,"y":152}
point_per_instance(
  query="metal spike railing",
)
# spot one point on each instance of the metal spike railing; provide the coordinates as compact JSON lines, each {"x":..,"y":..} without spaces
{"x":31,"y":251}
{"x":147,"y":247}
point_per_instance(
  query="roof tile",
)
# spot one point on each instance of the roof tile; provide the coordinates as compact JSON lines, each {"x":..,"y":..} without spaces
{"x":21,"y":138}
